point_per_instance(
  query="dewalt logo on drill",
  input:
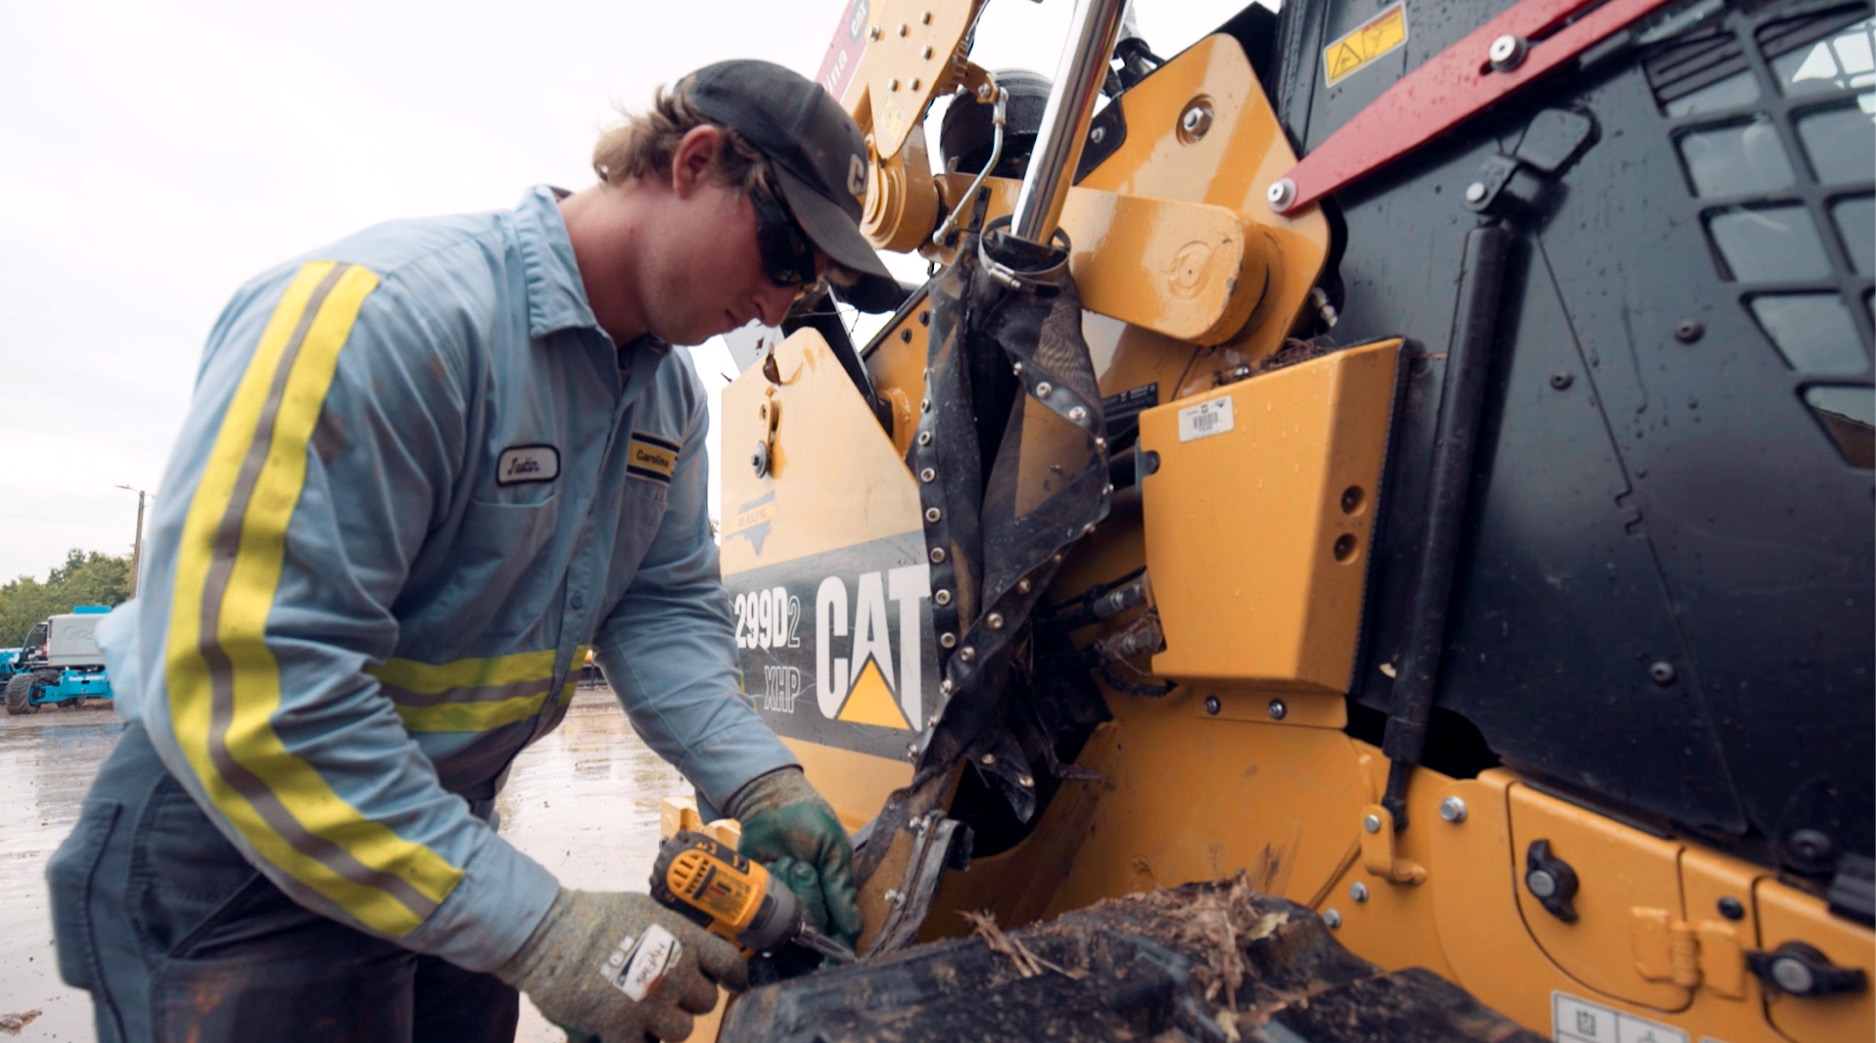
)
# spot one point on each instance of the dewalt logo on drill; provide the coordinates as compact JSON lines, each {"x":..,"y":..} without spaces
{"x":651,"y":457}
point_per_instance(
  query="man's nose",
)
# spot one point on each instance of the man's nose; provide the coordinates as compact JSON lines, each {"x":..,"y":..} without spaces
{"x":772,"y":303}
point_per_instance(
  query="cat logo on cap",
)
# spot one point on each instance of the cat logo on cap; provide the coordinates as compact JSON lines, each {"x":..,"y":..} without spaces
{"x":856,"y":177}
{"x":651,"y":458}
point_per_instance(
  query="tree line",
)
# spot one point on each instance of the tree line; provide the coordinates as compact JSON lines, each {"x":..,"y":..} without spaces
{"x":86,"y":578}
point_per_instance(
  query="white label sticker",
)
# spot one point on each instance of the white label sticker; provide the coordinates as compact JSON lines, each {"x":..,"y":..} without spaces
{"x":637,"y":964}
{"x":1205,"y":419}
{"x":1575,"y":1020}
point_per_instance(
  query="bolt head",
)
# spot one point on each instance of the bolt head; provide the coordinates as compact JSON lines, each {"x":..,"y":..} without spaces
{"x":1661,"y":673}
{"x":1212,"y":705}
{"x":1560,"y":381}
{"x":948,"y":640}
{"x":1810,"y":845}
{"x":1452,"y":809}
{"x":1097,"y":135}
{"x":1689,"y":330}
{"x":1541,"y":883}
{"x":994,"y":620}
{"x":1371,"y":823}
{"x":1507,"y":52}
{"x":943,"y":597}
{"x":1196,"y":120}
{"x":1278,"y":711}
{"x":967,"y":653}
{"x":1732,"y":908}
{"x":988,"y":758}
{"x":1332,"y":918}
{"x":1025,"y":781}
{"x":1475,"y":192}
{"x":1358,"y":891}
{"x":1281,"y":194}
{"x":1023,"y":585}
{"x":937,"y":555}
{"x":932,"y":514}
{"x":1044,"y":389}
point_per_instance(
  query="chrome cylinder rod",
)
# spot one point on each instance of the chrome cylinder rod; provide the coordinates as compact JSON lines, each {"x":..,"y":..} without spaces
{"x":1078,"y":79}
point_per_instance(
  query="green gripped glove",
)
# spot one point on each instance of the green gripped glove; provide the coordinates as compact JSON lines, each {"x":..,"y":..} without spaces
{"x":621,"y":968}
{"x":791,"y":829}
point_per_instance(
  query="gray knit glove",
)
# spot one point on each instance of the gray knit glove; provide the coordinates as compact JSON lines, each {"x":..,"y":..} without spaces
{"x":621,"y":968}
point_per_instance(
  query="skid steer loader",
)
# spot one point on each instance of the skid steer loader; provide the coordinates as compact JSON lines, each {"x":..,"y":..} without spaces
{"x":1387,"y":485}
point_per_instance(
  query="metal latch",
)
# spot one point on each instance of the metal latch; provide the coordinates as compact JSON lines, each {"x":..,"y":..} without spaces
{"x":1550,"y":880}
{"x":1801,"y":970}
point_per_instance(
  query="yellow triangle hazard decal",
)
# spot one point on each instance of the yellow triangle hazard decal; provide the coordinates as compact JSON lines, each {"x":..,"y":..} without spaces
{"x":872,"y":702}
{"x":1345,"y":60}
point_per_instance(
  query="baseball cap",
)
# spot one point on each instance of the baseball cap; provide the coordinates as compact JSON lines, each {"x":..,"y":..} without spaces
{"x":817,"y":153}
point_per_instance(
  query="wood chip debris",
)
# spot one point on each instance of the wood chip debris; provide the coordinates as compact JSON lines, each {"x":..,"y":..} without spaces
{"x":1028,"y":964}
{"x":11,"y":1024}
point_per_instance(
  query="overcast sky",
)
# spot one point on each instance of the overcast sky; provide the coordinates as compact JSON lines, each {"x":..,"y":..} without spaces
{"x":155,"y":156}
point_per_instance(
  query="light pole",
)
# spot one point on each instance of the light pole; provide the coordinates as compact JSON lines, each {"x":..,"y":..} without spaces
{"x":136,"y":549}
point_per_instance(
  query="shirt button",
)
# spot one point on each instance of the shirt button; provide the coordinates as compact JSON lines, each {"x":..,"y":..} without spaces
{"x":579,"y":601}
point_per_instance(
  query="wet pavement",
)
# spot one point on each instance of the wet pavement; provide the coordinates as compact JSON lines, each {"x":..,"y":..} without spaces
{"x":583,"y":802}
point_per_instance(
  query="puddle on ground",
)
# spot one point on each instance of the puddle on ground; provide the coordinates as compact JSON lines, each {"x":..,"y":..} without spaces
{"x":583,"y":802}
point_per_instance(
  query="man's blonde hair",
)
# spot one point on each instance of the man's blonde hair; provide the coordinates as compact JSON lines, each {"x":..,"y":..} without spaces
{"x":643,"y":145}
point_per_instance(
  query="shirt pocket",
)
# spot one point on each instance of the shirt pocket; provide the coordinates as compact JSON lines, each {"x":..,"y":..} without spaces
{"x":501,"y":568}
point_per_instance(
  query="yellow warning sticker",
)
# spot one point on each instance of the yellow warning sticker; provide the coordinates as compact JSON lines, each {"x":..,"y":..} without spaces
{"x":1372,"y":39}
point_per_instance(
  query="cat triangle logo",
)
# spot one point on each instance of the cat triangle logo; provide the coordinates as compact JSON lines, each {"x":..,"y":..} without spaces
{"x":872,"y":701}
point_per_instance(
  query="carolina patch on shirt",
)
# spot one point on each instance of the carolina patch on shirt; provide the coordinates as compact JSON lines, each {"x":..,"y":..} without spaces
{"x":527,"y":463}
{"x":651,"y":457}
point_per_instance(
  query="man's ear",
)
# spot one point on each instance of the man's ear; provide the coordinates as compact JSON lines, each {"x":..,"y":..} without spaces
{"x":696,"y":154}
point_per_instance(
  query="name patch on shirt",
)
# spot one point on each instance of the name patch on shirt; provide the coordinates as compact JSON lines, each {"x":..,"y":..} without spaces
{"x":651,"y":457}
{"x":527,"y":463}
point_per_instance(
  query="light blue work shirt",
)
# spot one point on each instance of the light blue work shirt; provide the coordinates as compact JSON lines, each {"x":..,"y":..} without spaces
{"x":416,"y":483}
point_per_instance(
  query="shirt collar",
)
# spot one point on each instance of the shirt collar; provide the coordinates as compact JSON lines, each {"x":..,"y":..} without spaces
{"x":556,"y":296}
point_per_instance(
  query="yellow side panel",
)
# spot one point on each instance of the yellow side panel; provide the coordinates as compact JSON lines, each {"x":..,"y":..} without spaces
{"x":834,"y":476}
{"x":1259,"y":516}
{"x":1619,"y":869}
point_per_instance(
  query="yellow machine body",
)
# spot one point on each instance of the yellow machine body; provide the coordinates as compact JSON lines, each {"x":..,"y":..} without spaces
{"x":1254,"y":531}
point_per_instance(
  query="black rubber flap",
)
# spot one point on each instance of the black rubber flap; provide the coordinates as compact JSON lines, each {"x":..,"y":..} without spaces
{"x":1208,"y":962}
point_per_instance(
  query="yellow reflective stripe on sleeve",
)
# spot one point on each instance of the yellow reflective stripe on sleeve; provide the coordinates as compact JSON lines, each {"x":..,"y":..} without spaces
{"x":428,"y":678}
{"x":473,"y":695}
{"x":224,"y":683}
{"x":470,"y":717}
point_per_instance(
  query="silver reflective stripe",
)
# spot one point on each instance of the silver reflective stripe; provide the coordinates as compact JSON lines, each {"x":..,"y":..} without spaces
{"x":221,"y":670}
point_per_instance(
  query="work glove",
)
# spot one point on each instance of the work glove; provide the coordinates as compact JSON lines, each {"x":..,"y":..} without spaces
{"x":621,"y":968}
{"x":791,"y":829}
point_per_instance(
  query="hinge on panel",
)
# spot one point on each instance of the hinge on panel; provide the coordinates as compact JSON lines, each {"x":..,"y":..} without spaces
{"x":1707,"y":953}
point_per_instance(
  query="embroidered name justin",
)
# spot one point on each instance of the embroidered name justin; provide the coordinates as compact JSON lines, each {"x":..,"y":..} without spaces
{"x":527,"y":463}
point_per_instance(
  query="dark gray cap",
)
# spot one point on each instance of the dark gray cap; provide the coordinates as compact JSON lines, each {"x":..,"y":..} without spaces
{"x":818,"y":155}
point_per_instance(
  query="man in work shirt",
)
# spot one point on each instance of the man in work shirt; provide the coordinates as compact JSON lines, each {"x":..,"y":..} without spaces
{"x":424,"y":470}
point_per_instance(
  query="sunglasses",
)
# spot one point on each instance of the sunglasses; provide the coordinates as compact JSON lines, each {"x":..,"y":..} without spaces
{"x":787,"y":255}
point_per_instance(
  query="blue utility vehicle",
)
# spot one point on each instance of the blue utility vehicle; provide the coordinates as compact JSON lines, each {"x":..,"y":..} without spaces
{"x":60,"y":662}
